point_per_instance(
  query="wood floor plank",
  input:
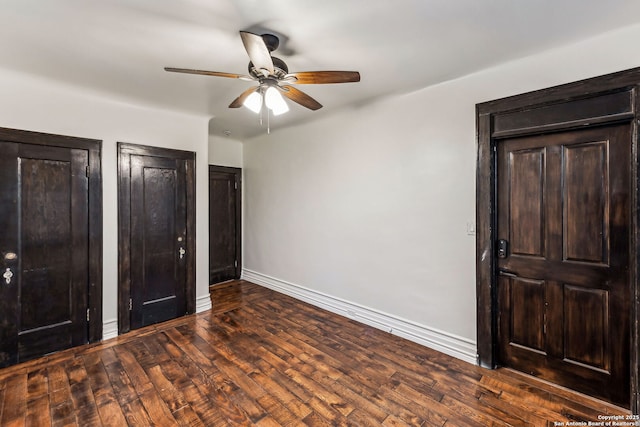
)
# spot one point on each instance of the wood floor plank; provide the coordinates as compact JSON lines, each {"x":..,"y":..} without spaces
{"x":37,"y":384}
{"x":122,"y":383}
{"x":275,"y":368}
{"x":98,"y":379}
{"x":183,"y":339}
{"x":365,"y":407}
{"x":38,"y":409}
{"x":136,"y":414}
{"x":275,"y":361}
{"x":108,"y":356}
{"x":280,"y":392}
{"x":225,"y":297}
{"x":328,"y":414}
{"x":211,"y":403}
{"x":3,"y":388}
{"x":429,"y":408}
{"x":277,"y":410}
{"x":157,"y":409}
{"x":60,"y":402}
{"x":171,"y":396}
{"x":84,"y":404}
{"x":38,"y":412}
{"x":139,"y":381}
{"x":207,"y":390}
{"x":362,"y":418}
{"x":394,"y":421}
{"x":15,"y":401}
{"x":250,"y":407}
{"x":182,"y":376}
{"x":239,"y":387}
{"x":330,"y":400}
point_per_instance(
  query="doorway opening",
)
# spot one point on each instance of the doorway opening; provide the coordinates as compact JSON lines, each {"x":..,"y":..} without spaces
{"x":554,"y":299}
{"x":225,"y":222}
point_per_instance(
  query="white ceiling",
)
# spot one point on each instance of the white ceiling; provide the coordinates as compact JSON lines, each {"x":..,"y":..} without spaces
{"x":121,"y":46}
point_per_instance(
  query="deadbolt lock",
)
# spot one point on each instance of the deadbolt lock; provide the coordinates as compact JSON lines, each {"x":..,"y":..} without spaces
{"x":503,"y":248}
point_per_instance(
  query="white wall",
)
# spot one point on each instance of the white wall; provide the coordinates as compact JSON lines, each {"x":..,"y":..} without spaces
{"x":225,"y":151}
{"x":365,"y":211}
{"x":39,"y":105}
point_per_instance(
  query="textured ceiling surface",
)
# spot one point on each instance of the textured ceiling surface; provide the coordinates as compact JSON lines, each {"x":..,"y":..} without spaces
{"x":119,"y":47}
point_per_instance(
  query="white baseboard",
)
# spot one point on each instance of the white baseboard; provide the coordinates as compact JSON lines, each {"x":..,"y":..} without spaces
{"x":109,"y":329}
{"x":444,"y":342}
{"x":203,"y":303}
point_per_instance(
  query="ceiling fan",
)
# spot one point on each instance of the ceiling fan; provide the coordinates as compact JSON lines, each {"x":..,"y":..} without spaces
{"x":273,"y":77}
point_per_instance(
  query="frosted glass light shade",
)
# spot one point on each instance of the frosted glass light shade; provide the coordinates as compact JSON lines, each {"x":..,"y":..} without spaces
{"x":254,"y":102}
{"x":275,"y":102}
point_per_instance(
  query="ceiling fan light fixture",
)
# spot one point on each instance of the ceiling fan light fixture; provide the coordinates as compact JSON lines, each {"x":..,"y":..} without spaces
{"x":275,"y":102}
{"x":272,"y":75}
{"x":254,"y":102}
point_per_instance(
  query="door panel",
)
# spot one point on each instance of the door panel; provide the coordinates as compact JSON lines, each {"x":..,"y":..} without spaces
{"x":158,"y":230}
{"x":527,"y":188}
{"x":586,"y":313}
{"x":586,"y":209}
{"x":224,"y":224}
{"x":563,"y":290}
{"x":527,"y":314}
{"x":45,"y":221}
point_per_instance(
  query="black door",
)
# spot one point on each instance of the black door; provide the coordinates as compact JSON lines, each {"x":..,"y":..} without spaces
{"x":44,"y":283}
{"x":563,"y":285}
{"x":156,"y":241}
{"x":224,"y":223}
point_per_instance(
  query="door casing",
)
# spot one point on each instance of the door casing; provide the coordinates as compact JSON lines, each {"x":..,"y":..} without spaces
{"x":94,"y":173}
{"x":124,"y":225}
{"x":608,"y":99}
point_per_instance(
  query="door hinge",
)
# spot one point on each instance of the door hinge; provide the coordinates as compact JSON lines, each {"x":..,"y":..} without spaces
{"x":235,"y":263}
{"x":235,"y":185}
{"x":88,"y":315}
{"x":130,"y":304}
{"x":86,"y":171}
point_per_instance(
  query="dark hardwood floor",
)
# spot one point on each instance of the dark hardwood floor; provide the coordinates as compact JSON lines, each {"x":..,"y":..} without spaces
{"x":273,"y":360}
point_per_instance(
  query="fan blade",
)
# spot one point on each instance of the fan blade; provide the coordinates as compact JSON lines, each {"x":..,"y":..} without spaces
{"x":208,"y":73}
{"x":237,"y":103}
{"x":323,"y":77}
{"x":300,"y":97}
{"x":257,"y":51}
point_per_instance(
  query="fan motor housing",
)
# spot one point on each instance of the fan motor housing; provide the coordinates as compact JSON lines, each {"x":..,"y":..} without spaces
{"x":280,"y":69}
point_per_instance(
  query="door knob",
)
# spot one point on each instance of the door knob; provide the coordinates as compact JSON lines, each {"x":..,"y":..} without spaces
{"x":7,"y":276}
{"x":10,"y":256}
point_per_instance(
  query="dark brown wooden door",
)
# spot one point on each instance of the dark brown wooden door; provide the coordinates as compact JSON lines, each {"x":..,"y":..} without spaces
{"x":158,"y":239}
{"x":44,"y":283}
{"x":156,"y":235}
{"x":563,"y":284}
{"x":224,"y":224}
